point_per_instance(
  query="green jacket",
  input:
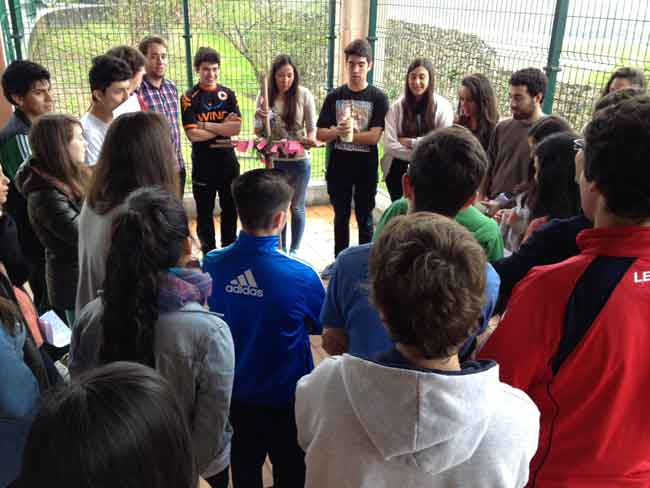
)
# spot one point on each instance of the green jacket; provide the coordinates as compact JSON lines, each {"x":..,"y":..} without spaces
{"x":14,"y":144}
{"x":485,"y":229}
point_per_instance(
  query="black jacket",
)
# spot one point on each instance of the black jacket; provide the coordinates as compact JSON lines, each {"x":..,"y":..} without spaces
{"x":55,"y":218}
{"x":551,"y":243}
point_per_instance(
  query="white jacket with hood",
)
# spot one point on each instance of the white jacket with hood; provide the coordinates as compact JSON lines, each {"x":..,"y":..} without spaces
{"x":366,"y":425}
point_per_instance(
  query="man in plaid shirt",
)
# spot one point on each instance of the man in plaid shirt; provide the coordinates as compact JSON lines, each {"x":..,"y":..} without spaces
{"x":160,"y":94}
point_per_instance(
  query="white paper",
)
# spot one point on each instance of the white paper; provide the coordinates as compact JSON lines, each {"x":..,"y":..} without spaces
{"x":56,"y":332}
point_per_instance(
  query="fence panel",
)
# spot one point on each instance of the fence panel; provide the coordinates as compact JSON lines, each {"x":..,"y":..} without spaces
{"x":496,"y":37}
{"x":65,"y":36}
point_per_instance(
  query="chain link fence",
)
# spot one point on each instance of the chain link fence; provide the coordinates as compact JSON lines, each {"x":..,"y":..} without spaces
{"x":65,"y":36}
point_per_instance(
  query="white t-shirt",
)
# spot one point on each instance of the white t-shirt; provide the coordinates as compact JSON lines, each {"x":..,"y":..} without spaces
{"x":132,"y":104}
{"x":94,"y":134}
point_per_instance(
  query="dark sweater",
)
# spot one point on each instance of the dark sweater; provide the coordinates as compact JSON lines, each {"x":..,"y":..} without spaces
{"x":551,"y":243}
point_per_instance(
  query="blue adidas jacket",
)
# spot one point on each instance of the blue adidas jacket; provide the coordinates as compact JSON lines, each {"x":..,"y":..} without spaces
{"x":272,"y":303}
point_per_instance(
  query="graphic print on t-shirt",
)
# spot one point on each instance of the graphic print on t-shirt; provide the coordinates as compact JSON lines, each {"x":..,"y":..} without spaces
{"x":361,"y":113}
{"x":199,"y":105}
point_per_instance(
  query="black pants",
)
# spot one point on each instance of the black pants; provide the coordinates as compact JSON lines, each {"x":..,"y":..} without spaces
{"x":394,"y":178}
{"x":347,"y":180}
{"x":31,"y":246}
{"x":210,"y":178}
{"x":219,"y":480}
{"x":258,"y":431}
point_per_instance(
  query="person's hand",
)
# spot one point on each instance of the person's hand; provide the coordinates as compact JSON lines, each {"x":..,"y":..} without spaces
{"x":342,"y":129}
{"x":492,"y":206}
{"x":335,"y":340}
{"x":406,"y":142}
{"x":309,"y":143}
{"x":232,"y":117}
{"x":260,"y":113}
{"x":499,"y":215}
{"x":513,"y":218}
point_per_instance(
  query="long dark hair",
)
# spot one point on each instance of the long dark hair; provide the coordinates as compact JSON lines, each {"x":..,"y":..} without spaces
{"x":117,"y":425}
{"x":148,"y":236}
{"x":291,"y":97}
{"x":633,"y":75}
{"x":49,"y":138}
{"x":136,"y":152}
{"x":409,"y":103}
{"x":482,"y":94}
{"x":556,"y":194}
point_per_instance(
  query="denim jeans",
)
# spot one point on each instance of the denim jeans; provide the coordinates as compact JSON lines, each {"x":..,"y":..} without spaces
{"x":298,"y":173}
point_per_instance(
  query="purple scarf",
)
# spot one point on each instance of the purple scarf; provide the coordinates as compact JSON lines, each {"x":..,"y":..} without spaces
{"x":179,"y":286}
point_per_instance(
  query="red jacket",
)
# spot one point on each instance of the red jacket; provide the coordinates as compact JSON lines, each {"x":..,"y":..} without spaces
{"x":576,"y":338}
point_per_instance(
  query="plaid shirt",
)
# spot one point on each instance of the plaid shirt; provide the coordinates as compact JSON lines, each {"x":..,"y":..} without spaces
{"x":165,"y":101}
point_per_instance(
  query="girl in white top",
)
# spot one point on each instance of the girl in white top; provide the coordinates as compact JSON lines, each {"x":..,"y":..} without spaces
{"x":292,"y":113}
{"x":416,"y":113}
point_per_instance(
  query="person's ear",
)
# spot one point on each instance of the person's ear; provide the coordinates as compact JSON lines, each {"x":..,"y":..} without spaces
{"x":369,"y":65}
{"x":407,"y":187}
{"x":280,"y":218}
{"x":19,"y":99}
{"x":98,"y":95}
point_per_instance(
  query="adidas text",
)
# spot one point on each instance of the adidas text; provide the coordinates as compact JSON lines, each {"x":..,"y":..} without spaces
{"x":245,"y":290}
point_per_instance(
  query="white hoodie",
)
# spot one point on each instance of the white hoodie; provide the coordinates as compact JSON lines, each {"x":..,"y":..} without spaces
{"x":366,"y":425}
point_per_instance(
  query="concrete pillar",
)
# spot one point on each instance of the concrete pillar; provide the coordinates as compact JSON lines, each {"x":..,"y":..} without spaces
{"x":353,"y":25}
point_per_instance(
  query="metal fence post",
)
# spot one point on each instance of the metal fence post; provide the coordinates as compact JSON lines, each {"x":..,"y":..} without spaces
{"x":372,"y":33}
{"x":16,"y":28}
{"x":555,"y":50}
{"x":187,"y":35}
{"x":331,"y":45}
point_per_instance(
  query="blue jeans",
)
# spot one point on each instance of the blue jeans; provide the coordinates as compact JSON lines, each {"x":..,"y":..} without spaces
{"x":298,"y":173}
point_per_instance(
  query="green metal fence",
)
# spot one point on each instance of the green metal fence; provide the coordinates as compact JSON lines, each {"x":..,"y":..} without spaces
{"x":577,"y":42}
{"x":65,"y":36}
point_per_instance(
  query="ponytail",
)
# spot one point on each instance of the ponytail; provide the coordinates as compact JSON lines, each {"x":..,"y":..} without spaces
{"x":147,"y":239}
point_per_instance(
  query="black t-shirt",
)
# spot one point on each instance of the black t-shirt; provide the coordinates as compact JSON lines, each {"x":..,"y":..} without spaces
{"x":369,"y":108}
{"x":201,"y":105}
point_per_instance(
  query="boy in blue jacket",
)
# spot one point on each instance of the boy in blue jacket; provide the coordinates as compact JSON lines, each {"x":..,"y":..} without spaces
{"x":271,"y":302}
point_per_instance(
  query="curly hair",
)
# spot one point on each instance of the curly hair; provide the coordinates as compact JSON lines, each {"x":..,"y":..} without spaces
{"x":427,"y":279}
{"x":206,"y":55}
{"x":148,"y":236}
{"x":616,"y":152}
{"x":19,"y":78}
{"x":534,"y":79}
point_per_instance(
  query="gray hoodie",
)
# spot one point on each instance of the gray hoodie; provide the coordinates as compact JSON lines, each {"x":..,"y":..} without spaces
{"x":367,"y":425}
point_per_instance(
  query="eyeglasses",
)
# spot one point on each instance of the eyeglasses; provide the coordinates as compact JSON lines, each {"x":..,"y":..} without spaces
{"x":578,"y":145}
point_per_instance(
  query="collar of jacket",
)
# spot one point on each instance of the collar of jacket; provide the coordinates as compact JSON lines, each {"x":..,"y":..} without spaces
{"x":626,"y":241}
{"x":267,"y":243}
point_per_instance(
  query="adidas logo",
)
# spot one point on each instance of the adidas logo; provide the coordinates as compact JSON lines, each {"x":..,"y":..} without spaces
{"x":245,"y":284}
